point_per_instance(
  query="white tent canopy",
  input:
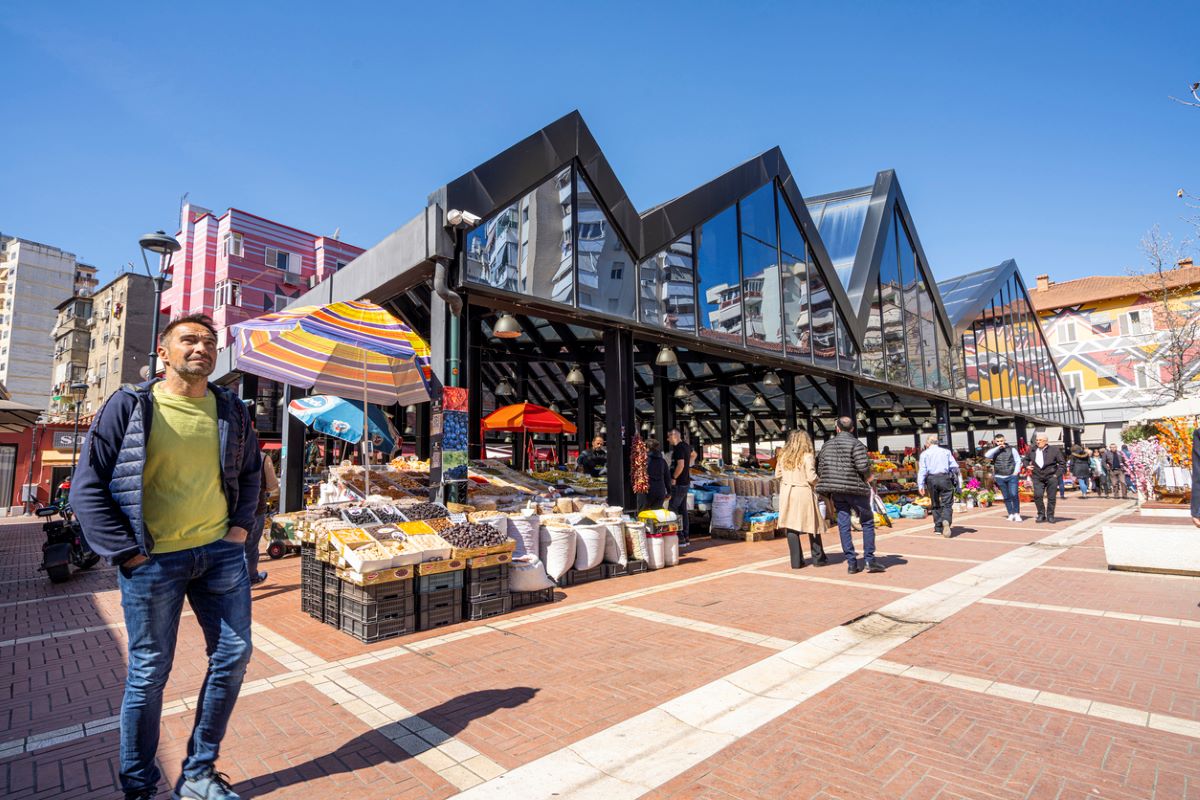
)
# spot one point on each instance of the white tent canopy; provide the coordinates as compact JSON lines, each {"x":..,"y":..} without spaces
{"x":1187,"y":407}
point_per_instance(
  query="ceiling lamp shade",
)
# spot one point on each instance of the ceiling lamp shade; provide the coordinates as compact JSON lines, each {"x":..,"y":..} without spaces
{"x":966,"y":413}
{"x":771,"y":378}
{"x":504,"y":387}
{"x":991,"y":422}
{"x":896,"y":418}
{"x":575,"y":376}
{"x":759,"y":401}
{"x":666,"y":357}
{"x":554,"y":407}
{"x":971,"y":427}
{"x":688,"y":408}
{"x":748,"y":418}
{"x":506,"y":327}
{"x":682,"y":393}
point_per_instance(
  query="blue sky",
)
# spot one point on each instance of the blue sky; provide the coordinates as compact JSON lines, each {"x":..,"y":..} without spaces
{"x":1040,"y":132}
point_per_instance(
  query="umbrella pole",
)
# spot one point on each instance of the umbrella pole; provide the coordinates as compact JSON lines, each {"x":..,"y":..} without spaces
{"x":366,"y":463}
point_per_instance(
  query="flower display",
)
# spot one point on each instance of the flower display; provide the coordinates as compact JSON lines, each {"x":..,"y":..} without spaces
{"x":1145,"y":457}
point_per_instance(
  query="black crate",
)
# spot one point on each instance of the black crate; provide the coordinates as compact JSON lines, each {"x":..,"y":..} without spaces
{"x":332,"y":582}
{"x":377,"y":611}
{"x":636,"y":565}
{"x":615,"y":570}
{"x":577,"y":576}
{"x":332,"y":599}
{"x":482,"y":609}
{"x":429,"y":618}
{"x":487,"y":573}
{"x":522,"y":599}
{"x":378,"y":592}
{"x":487,"y":590}
{"x":440,"y":582}
{"x":369,"y":632}
{"x":435,"y":601}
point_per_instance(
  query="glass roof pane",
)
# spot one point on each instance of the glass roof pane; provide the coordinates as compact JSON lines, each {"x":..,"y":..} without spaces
{"x":961,"y":293}
{"x":841,"y":227}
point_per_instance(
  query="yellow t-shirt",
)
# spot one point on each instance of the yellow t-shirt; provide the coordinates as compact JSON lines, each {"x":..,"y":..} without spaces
{"x":183,"y":502}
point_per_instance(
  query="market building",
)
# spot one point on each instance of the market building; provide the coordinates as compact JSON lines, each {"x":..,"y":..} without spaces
{"x":736,"y":311}
{"x":1112,"y":337}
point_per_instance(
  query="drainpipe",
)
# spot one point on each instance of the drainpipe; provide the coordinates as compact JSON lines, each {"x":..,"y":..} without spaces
{"x":454,"y":301}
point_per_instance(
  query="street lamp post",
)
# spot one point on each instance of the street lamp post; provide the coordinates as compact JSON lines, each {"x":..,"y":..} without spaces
{"x":78,"y":391}
{"x":161,"y":244}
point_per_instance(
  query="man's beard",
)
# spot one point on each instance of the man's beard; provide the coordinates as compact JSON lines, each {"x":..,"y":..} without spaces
{"x":195,"y":369}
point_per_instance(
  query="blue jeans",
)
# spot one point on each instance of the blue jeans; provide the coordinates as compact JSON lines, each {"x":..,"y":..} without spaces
{"x":215,"y":582}
{"x":1082,"y":480}
{"x":861,"y":503}
{"x":1009,"y":490}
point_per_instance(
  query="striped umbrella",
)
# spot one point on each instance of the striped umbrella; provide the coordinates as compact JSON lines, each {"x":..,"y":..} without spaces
{"x":351,"y":349}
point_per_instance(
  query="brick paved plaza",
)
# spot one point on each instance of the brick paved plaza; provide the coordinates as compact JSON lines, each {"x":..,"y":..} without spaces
{"x":981,"y":666}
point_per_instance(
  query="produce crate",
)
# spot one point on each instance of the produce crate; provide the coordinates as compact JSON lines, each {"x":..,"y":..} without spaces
{"x":477,"y":574}
{"x":492,"y":560}
{"x":445,"y":565}
{"x":614,"y":570}
{"x":368,"y":632}
{"x":377,"y":611}
{"x":487,"y":589}
{"x":483,"y":609}
{"x":522,"y":599}
{"x":577,"y":576}
{"x":655,"y":528}
{"x":477,"y":552}
{"x":332,"y":605}
{"x":440,"y":582}
{"x":378,"y":592}
{"x":636,"y":566}
{"x":436,"y":609}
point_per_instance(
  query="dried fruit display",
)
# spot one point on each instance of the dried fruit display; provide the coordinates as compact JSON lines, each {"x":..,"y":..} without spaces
{"x":425,"y":511}
{"x":469,"y":535}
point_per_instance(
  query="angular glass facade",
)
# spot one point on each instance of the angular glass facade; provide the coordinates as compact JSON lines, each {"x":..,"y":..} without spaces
{"x":603,"y":267}
{"x":760,"y":270}
{"x":667,"y":287}
{"x":840,"y":223}
{"x":719,"y":285}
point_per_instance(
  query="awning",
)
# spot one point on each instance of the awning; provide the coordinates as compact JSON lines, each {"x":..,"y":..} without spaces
{"x":1093,"y":434}
{"x":272,"y":445}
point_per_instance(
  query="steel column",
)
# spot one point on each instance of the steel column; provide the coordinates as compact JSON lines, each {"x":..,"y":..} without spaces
{"x":471,"y":344}
{"x":942,"y":410}
{"x":291,"y":456}
{"x":845,"y":397}
{"x":726,"y":427}
{"x":788,"y":384}
{"x":1022,"y":430}
{"x":619,"y":418}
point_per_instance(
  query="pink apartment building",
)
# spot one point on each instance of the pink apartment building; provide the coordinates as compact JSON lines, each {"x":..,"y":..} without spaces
{"x":237,"y":266}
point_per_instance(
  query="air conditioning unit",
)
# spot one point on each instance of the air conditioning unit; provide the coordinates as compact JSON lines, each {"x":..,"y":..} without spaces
{"x":91,"y":321}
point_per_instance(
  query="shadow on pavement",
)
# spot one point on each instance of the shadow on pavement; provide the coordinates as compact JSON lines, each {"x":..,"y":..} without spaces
{"x":372,"y":748}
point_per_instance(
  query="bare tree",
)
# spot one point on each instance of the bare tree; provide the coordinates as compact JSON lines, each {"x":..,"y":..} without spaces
{"x":1176,"y":317}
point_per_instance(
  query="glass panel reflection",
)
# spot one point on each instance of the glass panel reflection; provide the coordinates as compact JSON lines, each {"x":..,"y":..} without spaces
{"x":824,"y":328}
{"x":667,"y":287}
{"x":719,"y":283}
{"x":892,"y":312}
{"x":793,"y":252}
{"x":603,"y":266}
{"x":840,"y":226}
{"x":761,"y":306}
{"x":912,"y":311}
{"x":848,"y":357}
{"x":528,"y":247}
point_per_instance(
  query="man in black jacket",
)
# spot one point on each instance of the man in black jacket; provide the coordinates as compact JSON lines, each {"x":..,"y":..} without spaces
{"x":1046,"y":465}
{"x":842,"y":470}
{"x":1114,"y":463}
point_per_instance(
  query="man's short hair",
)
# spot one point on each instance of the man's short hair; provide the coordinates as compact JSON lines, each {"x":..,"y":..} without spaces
{"x":188,"y":319}
{"x":845,"y":424}
{"x":675,"y":431}
{"x":932,"y":439}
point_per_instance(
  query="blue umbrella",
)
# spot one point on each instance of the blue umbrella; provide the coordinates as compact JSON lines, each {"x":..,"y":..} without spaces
{"x":343,"y":419}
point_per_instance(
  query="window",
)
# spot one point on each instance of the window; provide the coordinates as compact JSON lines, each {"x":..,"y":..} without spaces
{"x":1135,"y":323}
{"x":1066,"y":333}
{"x":591,"y":231}
{"x":229,"y":293}
{"x":103,"y":371}
{"x":1074,"y":381}
{"x":618,"y":269}
{"x":1143,"y":375}
{"x":281,"y":301}
{"x":280,"y":259}
{"x":233,"y":244}
{"x":338,"y":266}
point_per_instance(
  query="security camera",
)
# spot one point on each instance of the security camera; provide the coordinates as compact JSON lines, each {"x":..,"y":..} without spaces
{"x":461,"y":219}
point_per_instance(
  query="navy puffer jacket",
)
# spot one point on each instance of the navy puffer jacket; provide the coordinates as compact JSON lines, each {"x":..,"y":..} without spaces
{"x":107,"y":491}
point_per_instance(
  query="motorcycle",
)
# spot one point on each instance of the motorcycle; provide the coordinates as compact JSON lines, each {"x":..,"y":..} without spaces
{"x":64,"y":545}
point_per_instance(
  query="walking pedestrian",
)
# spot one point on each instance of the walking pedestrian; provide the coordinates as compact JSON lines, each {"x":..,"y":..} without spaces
{"x":1099,"y":473}
{"x":658,"y":475}
{"x":1126,"y":456}
{"x":842,"y":470}
{"x":1006,"y":471}
{"x":799,"y":509}
{"x":166,"y":489}
{"x":1046,"y":465}
{"x":1081,"y":468}
{"x":681,"y":482}
{"x":268,"y":486}
{"x":1115,"y":462}
{"x":939,"y":476}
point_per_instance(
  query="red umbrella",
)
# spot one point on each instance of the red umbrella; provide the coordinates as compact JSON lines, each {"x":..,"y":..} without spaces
{"x":527,"y":417}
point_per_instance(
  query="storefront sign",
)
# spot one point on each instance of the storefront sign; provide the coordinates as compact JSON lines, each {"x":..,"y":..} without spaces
{"x":63,"y":439}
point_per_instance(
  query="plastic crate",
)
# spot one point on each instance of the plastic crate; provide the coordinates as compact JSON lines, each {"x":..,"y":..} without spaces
{"x":368,"y":632}
{"x":522,"y":599}
{"x":487,"y":590}
{"x":483,"y":609}
{"x":378,"y":592}
{"x":478,"y":575}
{"x":615,"y":570}
{"x":577,"y":576}
{"x":332,"y":582}
{"x":377,"y":611}
{"x":445,"y":608}
{"x":439,"y":582}
{"x":636,"y":565}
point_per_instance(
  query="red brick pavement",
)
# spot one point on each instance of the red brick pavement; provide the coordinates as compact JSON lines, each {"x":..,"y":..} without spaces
{"x":878,"y":736}
{"x":1131,"y":593}
{"x":519,"y":695}
{"x":1135,"y":664}
{"x":903,"y":572}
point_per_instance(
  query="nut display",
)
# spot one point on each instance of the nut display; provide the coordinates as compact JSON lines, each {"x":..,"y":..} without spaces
{"x":359,"y":516}
{"x":438,"y":523}
{"x":467,"y":535}
{"x":387,"y":514}
{"x":425,"y":511}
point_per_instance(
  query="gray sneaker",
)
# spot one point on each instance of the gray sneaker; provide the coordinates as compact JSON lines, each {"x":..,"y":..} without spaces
{"x":211,"y":785}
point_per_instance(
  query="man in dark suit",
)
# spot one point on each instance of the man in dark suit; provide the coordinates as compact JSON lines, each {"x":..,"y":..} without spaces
{"x":1046,"y":465}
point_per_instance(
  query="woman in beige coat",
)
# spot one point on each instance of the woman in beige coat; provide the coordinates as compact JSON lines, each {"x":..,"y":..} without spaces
{"x":798,"y":509}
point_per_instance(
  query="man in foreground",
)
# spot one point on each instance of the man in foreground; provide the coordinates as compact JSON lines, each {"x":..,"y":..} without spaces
{"x":1046,"y":465}
{"x":939,"y":477}
{"x":166,"y":489}
{"x":842,"y":470}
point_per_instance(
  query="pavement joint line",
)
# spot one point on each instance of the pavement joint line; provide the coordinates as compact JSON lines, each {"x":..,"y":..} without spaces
{"x":1099,"y":571}
{"x":70,"y":596}
{"x":640,"y":754}
{"x":923,"y":557}
{"x":1024,"y":694}
{"x":833,"y":581}
{"x":725,"y":631}
{"x":1095,"y":612}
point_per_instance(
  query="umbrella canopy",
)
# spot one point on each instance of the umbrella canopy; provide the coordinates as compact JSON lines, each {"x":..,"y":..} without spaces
{"x":350,"y":349}
{"x":343,"y":419}
{"x":527,"y":417}
{"x":1186,"y":407}
{"x":16,"y":417}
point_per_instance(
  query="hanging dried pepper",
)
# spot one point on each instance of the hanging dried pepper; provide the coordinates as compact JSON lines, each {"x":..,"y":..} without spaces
{"x":639,"y":457}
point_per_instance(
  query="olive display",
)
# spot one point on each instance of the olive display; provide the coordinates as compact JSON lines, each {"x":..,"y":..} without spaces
{"x":387,"y":514}
{"x":468,"y":535}
{"x":425,"y":511}
{"x":359,"y":516}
